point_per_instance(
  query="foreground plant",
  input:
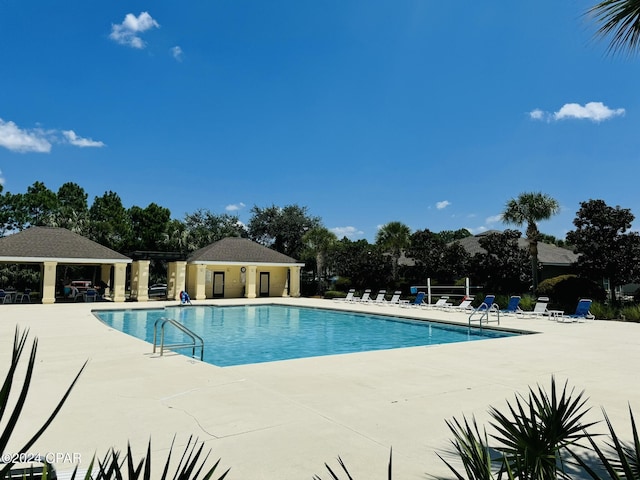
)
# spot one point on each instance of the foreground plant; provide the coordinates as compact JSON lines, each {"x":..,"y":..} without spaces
{"x":621,"y":460}
{"x":19,"y":343}
{"x":531,"y":440}
{"x":344,"y":468}
{"x":190,"y":467}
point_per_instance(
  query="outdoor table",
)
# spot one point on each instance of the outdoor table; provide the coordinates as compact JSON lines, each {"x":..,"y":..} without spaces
{"x":556,"y":314}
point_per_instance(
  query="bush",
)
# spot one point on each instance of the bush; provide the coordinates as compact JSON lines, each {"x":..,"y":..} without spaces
{"x":334,"y":294}
{"x":602,"y":311}
{"x":564,"y":291}
{"x":527,"y":302}
{"x":342,"y":284}
{"x":631,"y":313}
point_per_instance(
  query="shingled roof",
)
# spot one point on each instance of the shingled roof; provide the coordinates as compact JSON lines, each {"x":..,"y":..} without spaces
{"x":239,"y":250}
{"x":38,"y":244}
{"x":547,"y":254}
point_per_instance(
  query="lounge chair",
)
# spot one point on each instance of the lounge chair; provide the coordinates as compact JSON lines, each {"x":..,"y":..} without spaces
{"x":4,"y":298}
{"x":582,"y":312}
{"x":348,"y":298}
{"x":417,"y":302}
{"x":379,"y":297}
{"x":540,"y":308}
{"x":395,"y":299}
{"x":441,"y":303}
{"x":465,"y":305}
{"x":482,"y":313}
{"x":513,"y":308}
{"x":488,"y":304}
{"x":366,"y":296}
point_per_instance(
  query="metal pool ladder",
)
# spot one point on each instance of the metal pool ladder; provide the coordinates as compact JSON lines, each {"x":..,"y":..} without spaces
{"x":196,"y":340}
{"x":484,"y":315}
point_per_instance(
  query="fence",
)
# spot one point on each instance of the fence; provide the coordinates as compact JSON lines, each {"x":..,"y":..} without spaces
{"x":450,"y":290}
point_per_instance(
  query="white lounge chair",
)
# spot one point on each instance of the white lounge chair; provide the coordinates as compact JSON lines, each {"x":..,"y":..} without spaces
{"x":380,"y":297}
{"x":441,"y":303}
{"x":465,"y":305}
{"x":395,"y":300}
{"x":348,"y":298}
{"x":540,"y":308}
{"x":366,"y":296}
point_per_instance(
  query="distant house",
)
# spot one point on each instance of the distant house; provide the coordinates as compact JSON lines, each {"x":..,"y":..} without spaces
{"x":237,"y":267}
{"x":553,"y":260}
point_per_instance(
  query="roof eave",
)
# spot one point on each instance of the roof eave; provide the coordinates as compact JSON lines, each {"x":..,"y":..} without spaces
{"x":265,"y":264}
{"x":64,"y":260}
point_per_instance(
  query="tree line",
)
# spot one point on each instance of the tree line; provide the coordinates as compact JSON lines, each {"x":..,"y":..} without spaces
{"x":396,"y":259}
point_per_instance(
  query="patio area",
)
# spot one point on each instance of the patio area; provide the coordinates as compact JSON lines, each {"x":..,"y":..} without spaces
{"x":286,"y":419}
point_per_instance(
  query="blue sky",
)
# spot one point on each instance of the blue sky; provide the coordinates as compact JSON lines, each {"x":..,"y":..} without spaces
{"x":430,"y":113}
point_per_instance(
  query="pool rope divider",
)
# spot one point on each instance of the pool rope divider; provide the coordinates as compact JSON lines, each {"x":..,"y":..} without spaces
{"x":195,"y":338}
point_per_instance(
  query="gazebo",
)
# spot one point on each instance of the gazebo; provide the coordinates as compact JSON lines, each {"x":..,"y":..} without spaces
{"x":236,"y":267}
{"x":50,"y":247}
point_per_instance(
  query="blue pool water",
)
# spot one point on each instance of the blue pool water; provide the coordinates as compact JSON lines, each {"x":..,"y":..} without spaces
{"x":238,"y":335}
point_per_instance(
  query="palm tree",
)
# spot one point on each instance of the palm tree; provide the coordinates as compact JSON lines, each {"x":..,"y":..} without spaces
{"x":530,"y":208}
{"x":394,"y":237}
{"x":318,"y":241}
{"x":619,"y":19}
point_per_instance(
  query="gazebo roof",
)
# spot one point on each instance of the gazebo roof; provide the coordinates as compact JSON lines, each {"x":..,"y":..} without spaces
{"x":38,"y":244}
{"x":236,"y":250}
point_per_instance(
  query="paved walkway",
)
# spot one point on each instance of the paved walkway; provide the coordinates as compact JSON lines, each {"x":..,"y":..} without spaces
{"x":284,"y":420}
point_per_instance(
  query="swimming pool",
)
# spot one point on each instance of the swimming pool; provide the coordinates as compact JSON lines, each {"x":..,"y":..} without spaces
{"x":238,"y":335}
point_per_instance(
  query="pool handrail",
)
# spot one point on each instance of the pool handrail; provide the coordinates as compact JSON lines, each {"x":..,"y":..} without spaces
{"x":194,"y":337}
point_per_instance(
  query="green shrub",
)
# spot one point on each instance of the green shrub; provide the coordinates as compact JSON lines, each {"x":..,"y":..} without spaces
{"x":334,"y":294}
{"x":565,"y":291}
{"x":630,"y":313}
{"x":527,"y":302}
{"x":342,"y":284}
{"x":601,"y":311}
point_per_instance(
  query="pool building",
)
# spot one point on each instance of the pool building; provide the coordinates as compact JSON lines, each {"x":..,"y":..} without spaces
{"x":229,"y":268}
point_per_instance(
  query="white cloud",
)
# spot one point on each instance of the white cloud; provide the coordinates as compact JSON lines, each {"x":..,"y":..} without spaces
{"x":443,"y":204}
{"x":16,"y":139}
{"x":234,"y":207}
{"x":346,"y":231}
{"x":1,"y":178}
{"x":176,"y":52}
{"x":494,"y":219}
{"x":537,"y":114}
{"x":594,"y":111}
{"x":127,"y":32}
{"x":73,"y":139}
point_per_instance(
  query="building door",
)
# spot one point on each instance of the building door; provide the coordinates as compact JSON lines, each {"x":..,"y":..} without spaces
{"x":264,"y":284}
{"x":218,"y":284}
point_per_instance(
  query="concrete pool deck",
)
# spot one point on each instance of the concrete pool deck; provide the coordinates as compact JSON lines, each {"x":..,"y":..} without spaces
{"x":286,"y":419}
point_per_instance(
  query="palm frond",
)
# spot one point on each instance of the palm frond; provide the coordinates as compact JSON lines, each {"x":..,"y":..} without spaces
{"x":620,"y":21}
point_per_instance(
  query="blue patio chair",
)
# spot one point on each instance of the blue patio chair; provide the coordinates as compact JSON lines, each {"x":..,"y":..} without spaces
{"x":482,"y":313}
{"x":90,"y":295}
{"x":488,"y":304}
{"x":513,"y":308}
{"x":417,"y":302}
{"x":582,"y":312}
